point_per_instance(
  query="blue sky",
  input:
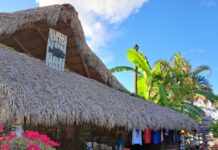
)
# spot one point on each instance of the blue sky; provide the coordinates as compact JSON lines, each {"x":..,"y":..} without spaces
{"x":160,"y":27}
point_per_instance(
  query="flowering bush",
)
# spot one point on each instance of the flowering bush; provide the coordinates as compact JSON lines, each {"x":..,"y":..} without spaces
{"x":215,"y":147}
{"x":30,"y":140}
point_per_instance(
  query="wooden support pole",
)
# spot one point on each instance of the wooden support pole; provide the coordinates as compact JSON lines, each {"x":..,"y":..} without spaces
{"x":136,"y":47}
{"x":85,"y":67}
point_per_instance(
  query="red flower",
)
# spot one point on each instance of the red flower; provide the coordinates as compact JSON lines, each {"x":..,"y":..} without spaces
{"x":33,"y":147}
{"x":45,"y":139}
{"x":3,"y":138}
{"x":2,"y":130}
{"x":34,"y":135}
{"x":54,"y":144}
{"x":5,"y":147}
{"x":2,"y":126}
{"x":31,"y":135}
{"x":12,"y":135}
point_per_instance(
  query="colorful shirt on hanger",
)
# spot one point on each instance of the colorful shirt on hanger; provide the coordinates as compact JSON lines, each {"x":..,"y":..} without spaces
{"x":147,"y":136}
{"x":156,"y":137}
{"x":137,"y":136}
{"x":162,"y":136}
{"x":176,"y":136}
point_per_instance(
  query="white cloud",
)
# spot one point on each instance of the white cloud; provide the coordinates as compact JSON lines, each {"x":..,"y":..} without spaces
{"x":98,"y":18}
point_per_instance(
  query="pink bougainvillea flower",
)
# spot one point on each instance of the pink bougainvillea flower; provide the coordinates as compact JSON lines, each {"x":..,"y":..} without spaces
{"x":36,"y":136}
{"x":33,"y":147}
{"x":54,"y":144}
{"x":12,"y":135}
{"x":31,"y":135}
{"x":45,"y":139}
{"x":2,"y":130}
{"x":3,"y":138}
{"x":2,"y":126}
{"x":5,"y":147}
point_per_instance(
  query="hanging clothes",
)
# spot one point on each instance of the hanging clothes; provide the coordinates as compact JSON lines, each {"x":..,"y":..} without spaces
{"x":147,"y":136}
{"x":162,"y":136}
{"x":156,"y":137}
{"x":176,"y":136}
{"x":137,"y":136}
{"x":182,"y":142}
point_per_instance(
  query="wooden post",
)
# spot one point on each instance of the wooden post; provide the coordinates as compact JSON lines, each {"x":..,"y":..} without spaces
{"x":56,"y":50}
{"x":76,"y":132}
{"x":136,"y":47}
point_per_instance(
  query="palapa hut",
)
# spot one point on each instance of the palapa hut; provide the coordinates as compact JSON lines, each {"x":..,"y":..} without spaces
{"x":85,"y":93}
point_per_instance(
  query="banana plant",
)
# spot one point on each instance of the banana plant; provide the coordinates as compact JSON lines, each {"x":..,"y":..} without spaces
{"x":147,"y":87}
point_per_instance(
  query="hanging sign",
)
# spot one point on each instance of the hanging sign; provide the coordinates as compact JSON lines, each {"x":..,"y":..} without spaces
{"x":56,"y":50}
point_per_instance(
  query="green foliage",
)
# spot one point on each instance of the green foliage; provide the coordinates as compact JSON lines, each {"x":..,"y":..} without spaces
{"x":191,"y":110}
{"x":163,"y":97}
{"x":207,"y":94}
{"x":143,"y":87}
{"x":214,"y":129}
{"x":140,"y":61}
{"x":201,"y":69}
{"x":123,"y":69}
{"x":170,"y":83}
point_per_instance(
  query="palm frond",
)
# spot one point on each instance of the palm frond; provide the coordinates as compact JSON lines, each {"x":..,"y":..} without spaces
{"x":201,"y":69}
{"x":189,"y":109}
{"x":207,"y":94}
{"x":164,"y":63}
{"x":203,"y":82}
{"x":197,"y":110}
{"x":123,"y":69}
{"x":163,"y":96}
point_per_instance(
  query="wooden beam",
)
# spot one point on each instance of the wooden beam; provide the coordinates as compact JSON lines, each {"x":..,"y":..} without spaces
{"x":42,"y":35}
{"x":77,"y":67}
{"x":74,"y":60}
{"x":85,"y":67}
{"x":21,"y":46}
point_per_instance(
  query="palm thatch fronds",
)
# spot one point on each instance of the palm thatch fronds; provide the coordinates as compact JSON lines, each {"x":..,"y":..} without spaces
{"x":27,"y":32}
{"x":29,"y":89}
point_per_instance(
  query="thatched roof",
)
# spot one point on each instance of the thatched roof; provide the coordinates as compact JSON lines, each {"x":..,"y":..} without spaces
{"x":27,"y":32}
{"x":30,"y":89}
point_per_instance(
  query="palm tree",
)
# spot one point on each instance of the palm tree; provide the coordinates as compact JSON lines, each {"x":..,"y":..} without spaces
{"x":185,"y":82}
{"x":164,"y":83}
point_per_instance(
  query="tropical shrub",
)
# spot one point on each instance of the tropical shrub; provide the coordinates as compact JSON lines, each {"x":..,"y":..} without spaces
{"x":170,"y":84}
{"x":29,"y":140}
{"x":214,"y":147}
{"x":214,"y":129}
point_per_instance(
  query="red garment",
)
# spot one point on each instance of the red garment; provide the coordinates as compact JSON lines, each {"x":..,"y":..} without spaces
{"x":147,"y":136}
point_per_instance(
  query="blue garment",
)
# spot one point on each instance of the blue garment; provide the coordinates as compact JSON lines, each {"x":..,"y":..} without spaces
{"x":120,"y":142}
{"x":177,"y":137}
{"x":174,"y":136}
{"x":156,"y":137}
{"x":137,"y":136}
